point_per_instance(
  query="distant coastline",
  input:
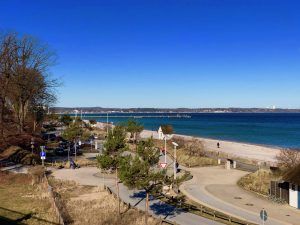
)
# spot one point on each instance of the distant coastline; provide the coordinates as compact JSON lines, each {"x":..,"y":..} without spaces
{"x":90,"y":110}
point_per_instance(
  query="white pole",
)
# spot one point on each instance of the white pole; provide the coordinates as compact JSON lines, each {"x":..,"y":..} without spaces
{"x":75,"y":150}
{"x":107,"y":123}
{"x":175,"y":170}
{"x":69,"y":152}
{"x":165,"y":149}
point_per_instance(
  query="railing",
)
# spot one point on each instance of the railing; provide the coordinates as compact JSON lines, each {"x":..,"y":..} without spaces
{"x":165,"y":221}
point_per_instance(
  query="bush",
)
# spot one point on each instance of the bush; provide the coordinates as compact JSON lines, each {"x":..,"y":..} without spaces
{"x":194,"y":148}
{"x":106,"y":161}
{"x":180,"y":141}
{"x":288,"y":158}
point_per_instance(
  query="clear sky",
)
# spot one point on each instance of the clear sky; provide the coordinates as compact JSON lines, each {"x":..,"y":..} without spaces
{"x":168,"y":53}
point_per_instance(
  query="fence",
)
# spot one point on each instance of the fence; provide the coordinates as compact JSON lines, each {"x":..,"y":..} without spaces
{"x":199,"y":209}
{"x":54,"y":201}
{"x":279,"y":190}
{"x":165,"y":221}
{"x":239,"y":164}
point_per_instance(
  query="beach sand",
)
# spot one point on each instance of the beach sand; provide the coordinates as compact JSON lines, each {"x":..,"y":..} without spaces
{"x":232,"y":149}
{"x":253,"y":152}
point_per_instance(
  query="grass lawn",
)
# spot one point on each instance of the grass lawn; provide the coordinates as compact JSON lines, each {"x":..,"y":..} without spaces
{"x":22,"y":203}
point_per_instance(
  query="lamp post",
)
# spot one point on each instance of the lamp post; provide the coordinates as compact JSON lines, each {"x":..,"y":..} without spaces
{"x":175,"y":159}
{"x":79,"y":143}
{"x":32,"y":145}
{"x":107,"y":124}
{"x":165,"y":137}
{"x":76,"y":112}
{"x":69,"y":151}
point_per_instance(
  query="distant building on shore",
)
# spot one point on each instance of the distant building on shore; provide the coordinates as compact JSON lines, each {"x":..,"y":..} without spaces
{"x":161,"y":135}
{"x":166,"y":135}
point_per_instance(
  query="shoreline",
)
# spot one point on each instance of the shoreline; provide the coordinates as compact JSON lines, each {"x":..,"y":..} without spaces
{"x":255,"y":152}
{"x":249,"y":151}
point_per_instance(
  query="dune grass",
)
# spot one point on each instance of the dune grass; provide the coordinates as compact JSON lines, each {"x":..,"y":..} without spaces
{"x":258,"y":182}
{"x":99,"y":207}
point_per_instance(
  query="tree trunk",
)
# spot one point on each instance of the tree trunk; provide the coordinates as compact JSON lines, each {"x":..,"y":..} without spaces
{"x":146,"y":208}
{"x":118,"y":195}
{"x":2,"y":119}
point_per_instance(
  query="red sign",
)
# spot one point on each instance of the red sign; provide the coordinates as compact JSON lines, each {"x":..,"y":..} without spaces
{"x":163,"y":165}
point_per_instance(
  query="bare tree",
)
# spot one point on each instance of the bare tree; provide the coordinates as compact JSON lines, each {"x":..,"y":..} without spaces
{"x":288,"y":158}
{"x":26,"y":86}
{"x":8,"y":48}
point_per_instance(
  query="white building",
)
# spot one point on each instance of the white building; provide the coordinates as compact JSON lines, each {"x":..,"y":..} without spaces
{"x":161,"y":135}
{"x":293,"y":177}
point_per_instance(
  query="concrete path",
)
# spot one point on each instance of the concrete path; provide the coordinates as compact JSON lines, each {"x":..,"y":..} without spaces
{"x":217,"y":188}
{"x":91,"y":176}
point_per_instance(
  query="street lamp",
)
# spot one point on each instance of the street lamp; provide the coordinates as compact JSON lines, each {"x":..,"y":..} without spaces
{"x":175,"y":159}
{"x":79,"y":143}
{"x":165,"y":138}
{"x":76,"y":112}
{"x":32,"y":145}
{"x":107,"y":123}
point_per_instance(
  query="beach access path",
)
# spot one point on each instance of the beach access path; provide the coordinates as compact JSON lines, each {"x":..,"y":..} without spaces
{"x":92,"y":176}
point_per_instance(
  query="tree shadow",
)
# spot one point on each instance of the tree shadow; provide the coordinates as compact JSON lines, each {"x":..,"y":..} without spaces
{"x":139,"y":195}
{"x":23,"y":217}
{"x":7,"y":221}
{"x":164,"y":209}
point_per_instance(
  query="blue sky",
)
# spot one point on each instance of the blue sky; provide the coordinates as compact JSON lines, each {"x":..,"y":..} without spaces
{"x":193,"y":53}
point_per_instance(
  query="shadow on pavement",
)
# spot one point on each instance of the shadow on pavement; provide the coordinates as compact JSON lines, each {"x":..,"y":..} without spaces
{"x":141,"y":195}
{"x":162,"y":208}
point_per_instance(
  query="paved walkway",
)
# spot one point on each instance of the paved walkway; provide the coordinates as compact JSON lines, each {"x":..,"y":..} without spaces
{"x":217,"y":188}
{"x":91,"y":176}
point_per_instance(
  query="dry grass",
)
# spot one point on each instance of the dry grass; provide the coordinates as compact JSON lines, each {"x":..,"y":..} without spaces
{"x":192,"y":161}
{"x":184,"y":155}
{"x":20,"y":201}
{"x":258,"y":182}
{"x":99,"y":207}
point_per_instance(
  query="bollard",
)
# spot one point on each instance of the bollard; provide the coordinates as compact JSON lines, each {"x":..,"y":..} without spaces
{"x":219,"y":161}
{"x":234,"y":164}
{"x":228,"y":165}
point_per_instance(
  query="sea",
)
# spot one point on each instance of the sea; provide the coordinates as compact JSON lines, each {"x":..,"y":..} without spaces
{"x":269,"y":129}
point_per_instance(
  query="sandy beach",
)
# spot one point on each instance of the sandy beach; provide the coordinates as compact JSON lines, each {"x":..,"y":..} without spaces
{"x":233,"y":149}
{"x":254,"y":152}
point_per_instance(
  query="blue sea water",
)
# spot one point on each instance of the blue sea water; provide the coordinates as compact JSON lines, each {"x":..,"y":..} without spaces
{"x":274,"y":129}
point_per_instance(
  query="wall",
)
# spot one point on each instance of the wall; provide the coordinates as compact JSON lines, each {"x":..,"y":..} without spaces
{"x":293,"y":196}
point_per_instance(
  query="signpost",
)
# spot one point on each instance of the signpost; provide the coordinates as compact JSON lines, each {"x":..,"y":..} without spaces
{"x":43,"y":154}
{"x":263,"y":216}
{"x":163,"y":165}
